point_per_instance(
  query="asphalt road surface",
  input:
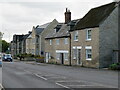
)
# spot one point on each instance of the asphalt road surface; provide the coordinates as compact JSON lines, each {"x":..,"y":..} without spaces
{"x":32,"y":75}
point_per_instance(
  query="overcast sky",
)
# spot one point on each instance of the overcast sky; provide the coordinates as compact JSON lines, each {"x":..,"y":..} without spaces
{"x":19,"y":16}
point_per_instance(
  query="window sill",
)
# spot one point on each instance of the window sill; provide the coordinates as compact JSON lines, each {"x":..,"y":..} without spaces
{"x":89,"y":59}
{"x":66,"y":59}
{"x":88,"y":39}
{"x":75,"y":40}
{"x":74,"y":58}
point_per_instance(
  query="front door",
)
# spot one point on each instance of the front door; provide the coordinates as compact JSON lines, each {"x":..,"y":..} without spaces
{"x":62,"y":58}
{"x":78,"y":56}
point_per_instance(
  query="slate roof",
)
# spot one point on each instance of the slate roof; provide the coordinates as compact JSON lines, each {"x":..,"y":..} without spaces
{"x":26,"y":35}
{"x":63,"y":30}
{"x":95,"y":16}
{"x":39,"y":28}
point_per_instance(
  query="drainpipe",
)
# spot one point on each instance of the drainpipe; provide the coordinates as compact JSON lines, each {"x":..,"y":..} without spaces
{"x":70,"y":49}
{"x":119,"y":32}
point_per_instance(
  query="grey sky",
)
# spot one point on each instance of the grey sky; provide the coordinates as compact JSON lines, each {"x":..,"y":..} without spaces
{"x":19,"y":16}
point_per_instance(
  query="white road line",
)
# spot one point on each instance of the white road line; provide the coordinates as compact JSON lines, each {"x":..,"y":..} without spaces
{"x":40,"y":76}
{"x":96,"y":84}
{"x":57,"y":77}
{"x":62,"y":85}
{"x":81,"y":85}
{"x":1,"y":86}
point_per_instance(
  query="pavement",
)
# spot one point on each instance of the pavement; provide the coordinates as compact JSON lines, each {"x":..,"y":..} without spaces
{"x":34,"y":75}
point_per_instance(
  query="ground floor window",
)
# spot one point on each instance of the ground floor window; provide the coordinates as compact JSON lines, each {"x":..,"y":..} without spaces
{"x":32,"y":51}
{"x":58,"y":56}
{"x":74,"y":53}
{"x":88,"y":54}
{"x":65,"y":56}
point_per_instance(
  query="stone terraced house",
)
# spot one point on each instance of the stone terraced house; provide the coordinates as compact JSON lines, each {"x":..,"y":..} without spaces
{"x":95,"y":37}
{"x":91,"y":42}
{"x":57,"y":43}
{"x":35,"y":41}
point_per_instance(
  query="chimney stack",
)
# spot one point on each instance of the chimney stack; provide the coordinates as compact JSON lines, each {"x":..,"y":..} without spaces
{"x":67,"y":16}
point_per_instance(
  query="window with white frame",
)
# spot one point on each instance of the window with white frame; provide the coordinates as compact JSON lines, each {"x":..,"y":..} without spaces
{"x":88,"y":54}
{"x":66,"y":41}
{"x":88,"y":35}
{"x":76,"y":36}
{"x":57,"y":41}
{"x":74,"y":53}
{"x":50,"y":42}
{"x":33,"y":51}
{"x":58,"y":56}
{"x":66,"y":56}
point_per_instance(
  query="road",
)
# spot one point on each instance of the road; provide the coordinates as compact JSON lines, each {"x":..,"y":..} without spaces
{"x":32,"y":75}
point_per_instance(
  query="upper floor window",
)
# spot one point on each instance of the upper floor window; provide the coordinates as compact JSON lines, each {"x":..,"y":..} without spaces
{"x":88,"y":35}
{"x":57,"y":41}
{"x":50,"y":42}
{"x":66,"y":41}
{"x":76,"y":36}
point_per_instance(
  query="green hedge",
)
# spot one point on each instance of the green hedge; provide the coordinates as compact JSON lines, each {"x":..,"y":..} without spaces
{"x":115,"y":66}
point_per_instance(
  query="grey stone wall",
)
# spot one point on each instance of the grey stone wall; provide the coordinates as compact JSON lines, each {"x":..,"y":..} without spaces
{"x":108,"y":38}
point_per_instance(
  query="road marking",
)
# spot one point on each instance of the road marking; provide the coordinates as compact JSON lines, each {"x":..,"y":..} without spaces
{"x":1,"y":87}
{"x":62,"y":85}
{"x":40,"y":76}
{"x":94,"y":83}
{"x":54,"y":77}
{"x":81,"y":85}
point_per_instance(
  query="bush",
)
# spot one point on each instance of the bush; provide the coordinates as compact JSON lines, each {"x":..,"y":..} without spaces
{"x":115,"y":66}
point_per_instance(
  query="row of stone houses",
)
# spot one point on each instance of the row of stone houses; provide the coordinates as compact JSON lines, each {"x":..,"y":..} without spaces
{"x":91,"y":41}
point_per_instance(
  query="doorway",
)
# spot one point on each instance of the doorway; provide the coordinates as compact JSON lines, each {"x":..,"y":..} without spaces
{"x":62,"y":58}
{"x":78,"y":56}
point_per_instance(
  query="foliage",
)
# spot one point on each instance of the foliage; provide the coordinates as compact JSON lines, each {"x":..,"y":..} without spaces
{"x":115,"y":66}
{"x":30,"y":55}
{"x":5,"y":46}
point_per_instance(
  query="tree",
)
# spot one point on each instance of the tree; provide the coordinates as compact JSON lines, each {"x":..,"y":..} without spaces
{"x":5,"y":46}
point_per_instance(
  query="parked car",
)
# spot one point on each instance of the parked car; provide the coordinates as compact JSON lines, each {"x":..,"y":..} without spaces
{"x":7,"y":57}
{"x":0,"y":63}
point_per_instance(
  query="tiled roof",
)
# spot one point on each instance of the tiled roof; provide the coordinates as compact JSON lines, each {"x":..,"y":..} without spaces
{"x":95,"y":16}
{"x":62,"y":30}
{"x":39,"y":28}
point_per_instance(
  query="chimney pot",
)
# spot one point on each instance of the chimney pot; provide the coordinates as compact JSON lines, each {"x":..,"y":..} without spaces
{"x":67,"y":16}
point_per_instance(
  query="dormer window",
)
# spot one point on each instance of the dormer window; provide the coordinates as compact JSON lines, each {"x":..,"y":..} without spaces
{"x":56,"y":30}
